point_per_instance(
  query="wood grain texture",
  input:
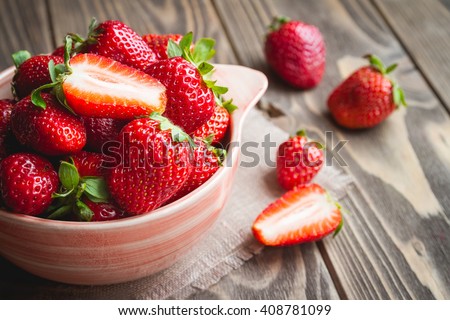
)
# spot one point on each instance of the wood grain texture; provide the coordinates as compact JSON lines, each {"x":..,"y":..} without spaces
{"x":277,"y":274}
{"x":423,"y":27}
{"x":395,"y":244}
{"x":144,"y":17}
{"x":23,"y":27}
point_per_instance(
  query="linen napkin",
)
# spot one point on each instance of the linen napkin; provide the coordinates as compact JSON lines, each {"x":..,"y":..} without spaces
{"x":229,"y":243}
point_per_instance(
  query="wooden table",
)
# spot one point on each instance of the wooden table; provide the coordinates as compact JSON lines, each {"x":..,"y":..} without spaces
{"x":396,"y":244}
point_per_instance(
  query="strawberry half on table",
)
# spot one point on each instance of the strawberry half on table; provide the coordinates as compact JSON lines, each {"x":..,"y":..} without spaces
{"x":303,"y":214}
{"x":95,"y":86}
{"x":367,"y":97}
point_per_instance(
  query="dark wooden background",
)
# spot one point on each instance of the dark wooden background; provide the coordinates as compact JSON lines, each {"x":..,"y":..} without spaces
{"x":396,"y":244}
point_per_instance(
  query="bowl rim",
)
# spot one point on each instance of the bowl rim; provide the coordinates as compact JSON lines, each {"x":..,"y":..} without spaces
{"x":167,"y":210}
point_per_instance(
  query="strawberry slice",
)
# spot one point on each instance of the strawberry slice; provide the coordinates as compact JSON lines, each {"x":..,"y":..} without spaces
{"x":303,"y":214}
{"x":97,"y":86}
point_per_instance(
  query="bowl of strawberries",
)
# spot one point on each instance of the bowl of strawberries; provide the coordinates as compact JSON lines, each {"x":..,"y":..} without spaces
{"x":115,"y":152}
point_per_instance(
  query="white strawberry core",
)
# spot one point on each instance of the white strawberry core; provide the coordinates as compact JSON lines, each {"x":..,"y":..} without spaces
{"x":312,"y":210}
{"x":97,"y":79}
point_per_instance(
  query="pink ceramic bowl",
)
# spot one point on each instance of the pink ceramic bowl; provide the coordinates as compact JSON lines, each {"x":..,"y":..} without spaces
{"x":123,"y":250}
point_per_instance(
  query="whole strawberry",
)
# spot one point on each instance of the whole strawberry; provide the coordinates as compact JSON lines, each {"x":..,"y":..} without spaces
{"x":190,"y":97}
{"x":104,"y":211}
{"x":298,"y":161}
{"x":59,"y":51}
{"x":89,"y":164}
{"x":6,"y":106}
{"x":206,"y":160}
{"x":154,"y":167}
{"x":296,"y":51}
{"x":100,"y":131}
{"x":117,"y":41}
{"x":159,"y":43}
{"x":31,"y":72}
{"x":27,"y":182}
{"x":367,"y":97}
{"x":218,"y":124}
{"x":51,"y":130}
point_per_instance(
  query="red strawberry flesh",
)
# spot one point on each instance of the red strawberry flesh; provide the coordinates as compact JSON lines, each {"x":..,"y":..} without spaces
{"x":104,"y":88}
{"x":303,"y":214}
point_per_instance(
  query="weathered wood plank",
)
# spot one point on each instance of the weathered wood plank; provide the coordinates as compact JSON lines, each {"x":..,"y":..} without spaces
{"x":144,"y":17}
{"x":23,"y":27}
{"x":429,"y":23}
{"x":277,"y":274}
{"x":396,"y":241}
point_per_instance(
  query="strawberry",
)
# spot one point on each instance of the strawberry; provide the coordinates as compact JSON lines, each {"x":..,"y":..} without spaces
{"x":206,"y":160}
{"x":27,"y":182}
{"x":59,"y":52}
{"x":190,"y":97}
{"x":117,"y":41}
{"x":31,"y":72}
{"x":218,"y":124}
{"x":298,"y":161}
{"x":303,"y":214}
{"x":51,"y":130}
{"x":366,"y":97}
{"x":154,"y":167}
{"x":159,"y":43}
{"x":6,"y":105}
{"x":296,"y":51}
{"x":104,"y":211}
{"x":88,"y":164}
{"x":96,"y":86}
{"x":100,"y":131}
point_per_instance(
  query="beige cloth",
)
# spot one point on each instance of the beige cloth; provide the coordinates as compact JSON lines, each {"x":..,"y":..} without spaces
{"x":228,"y":244}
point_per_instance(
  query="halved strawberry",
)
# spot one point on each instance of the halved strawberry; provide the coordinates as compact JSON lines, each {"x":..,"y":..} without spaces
{"x":303,"y":214}
{"x":97,"y":86}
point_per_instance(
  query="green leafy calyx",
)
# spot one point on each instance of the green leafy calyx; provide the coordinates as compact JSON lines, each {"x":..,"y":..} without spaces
{"x":58,"y":74}
{"x":277,"y":22}
{"x":398,"y":94}
{"x":20,"y":57}
{"x":73,"y":188}
{"x":177,"y":133}
{"x":199,"y":56}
